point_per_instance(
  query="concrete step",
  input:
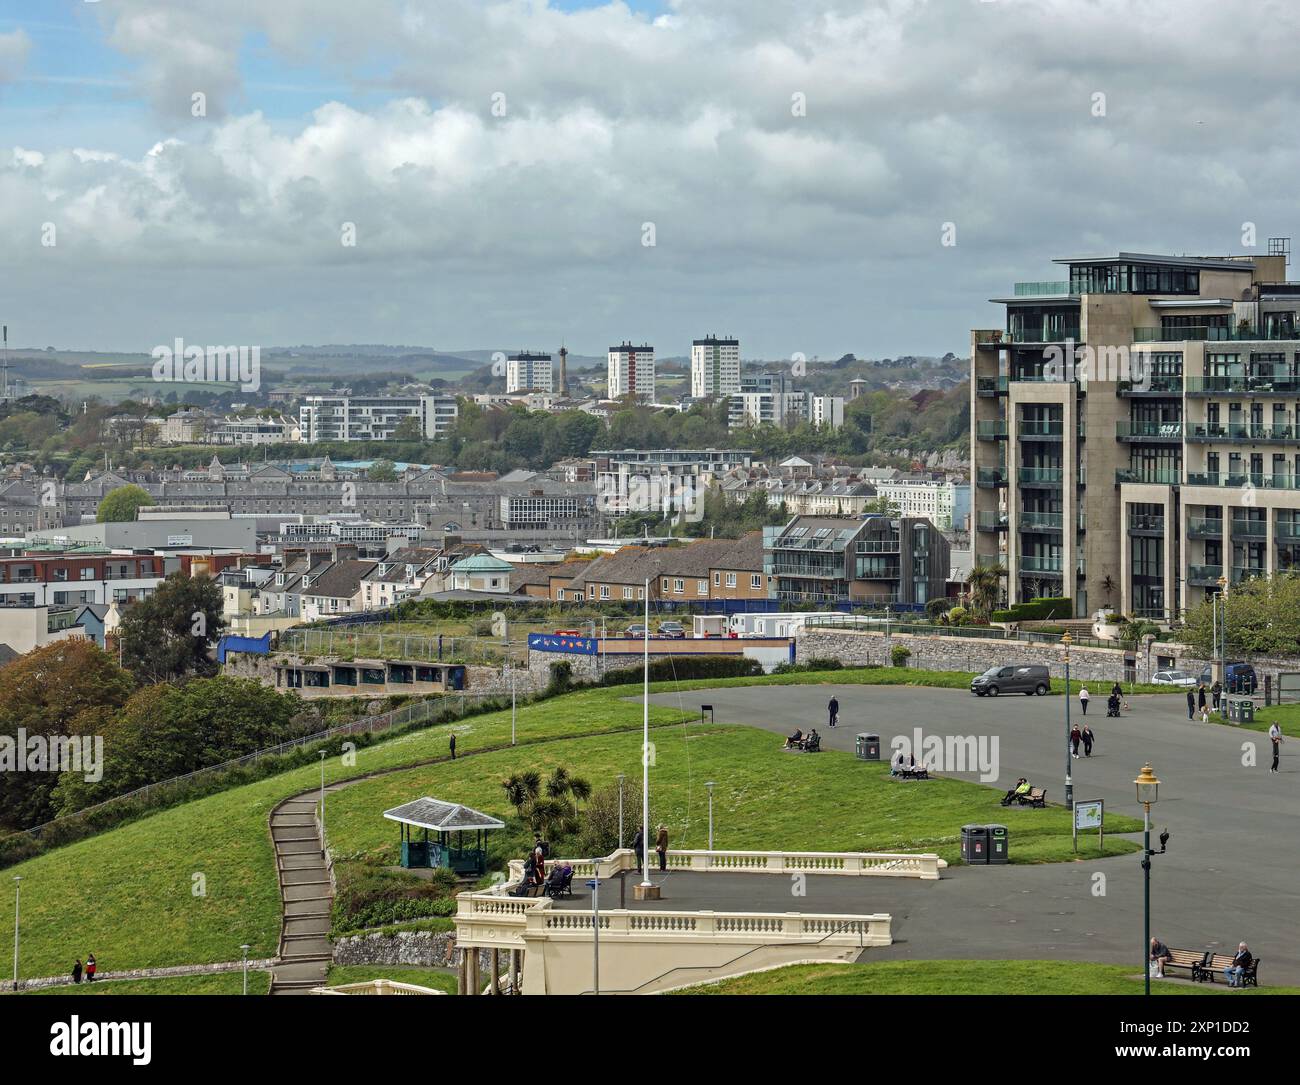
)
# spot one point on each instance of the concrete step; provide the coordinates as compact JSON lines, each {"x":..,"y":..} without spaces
{"x":310,"y":876}
{"x":305,"y":861}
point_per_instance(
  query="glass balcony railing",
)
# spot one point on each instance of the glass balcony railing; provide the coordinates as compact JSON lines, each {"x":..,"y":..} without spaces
{"x":1040,"y":428}
{"x":1246,"y":572}
{"x":1155,"y":431}
{"x":991,"y":521}
{"x":991,"y":476}
{"x":1249,"y":529}
{"x":1199,"y":527}
{"x":1242,"y":384}
{"x":1213,"y":333}
{"x":1286,"y":532}
{"x":1242,"y":431}
{"x":990,"y":386}
{"x":1160,"y":476}
{"x":1141,"y":522}
{"x":1158,"y":385}
{"x":1204,"y":574}
{"x":990,"y":431}
{"x":1041,"y":521}
{"x":1041,"y":289}
{"x":1280,"y":480}
{"x":1031,"y":563}
{"x":1043,"y":335}
{"x":1041,"y":475}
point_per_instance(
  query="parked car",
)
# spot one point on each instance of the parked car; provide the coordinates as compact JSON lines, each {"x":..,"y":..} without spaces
{"x":1239,"y":678}
{"x":636,"y":632}
{"x":1172,"y":678}
{"x":1029,"y":680}
{"x":673,"y":630}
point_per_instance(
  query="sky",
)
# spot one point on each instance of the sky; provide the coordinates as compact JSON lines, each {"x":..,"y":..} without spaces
{"x":815,"y":178}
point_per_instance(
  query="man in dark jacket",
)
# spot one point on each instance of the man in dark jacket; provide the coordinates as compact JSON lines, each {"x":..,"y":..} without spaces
{"x":1240,"y":963}
{"x":638,"y":846}
{"x":1191,"y":705}
{"x":452,"y":743}
{"x":834,"y":710}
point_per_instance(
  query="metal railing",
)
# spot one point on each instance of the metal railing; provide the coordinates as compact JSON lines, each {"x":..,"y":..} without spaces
{"x":1042,"y":288}
{"x":1171,"y":431}
{"x":1041,"y":521}
{"x":1242,"y":431}
{"x":1281,"y":480}
{"x":1242,"y":382}
{"x":1160,"y":476}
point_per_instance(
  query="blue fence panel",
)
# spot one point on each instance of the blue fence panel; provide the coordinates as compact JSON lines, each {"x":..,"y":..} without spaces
{"x":558,"y":642}
{"x":258,"y":646}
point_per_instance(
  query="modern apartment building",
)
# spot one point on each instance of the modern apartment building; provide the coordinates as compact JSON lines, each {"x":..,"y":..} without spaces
{"x":715,"y":367}
{"x":1166,"y":459}
{"x":372,"y":418}
{"x":772,"y":399}
{"x":529,"y":372}
{"x":873,"y":559}
{"x":631,"y":371}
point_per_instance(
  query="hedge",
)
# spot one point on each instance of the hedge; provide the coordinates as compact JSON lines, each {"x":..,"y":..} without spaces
{"x":1036,"y":610}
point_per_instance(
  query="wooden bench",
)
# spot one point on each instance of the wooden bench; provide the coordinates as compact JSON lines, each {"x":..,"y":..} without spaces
{"x":1190,"y":960}
{"x":1214,"y":964}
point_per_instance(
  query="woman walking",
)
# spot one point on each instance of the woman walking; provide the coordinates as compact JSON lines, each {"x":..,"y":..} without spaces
{"x":1087,"y":740}
{"x":1084,"y":697}
{"x":1076,"y":736}
{"x":661,"y":846}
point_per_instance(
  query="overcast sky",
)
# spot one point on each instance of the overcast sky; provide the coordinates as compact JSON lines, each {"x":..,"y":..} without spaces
{"x":500,"y":159}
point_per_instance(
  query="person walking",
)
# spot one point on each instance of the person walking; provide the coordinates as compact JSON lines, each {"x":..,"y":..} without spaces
{"x":76,"y":971}
{"x":90,"y":969}
{"x":638,"y":846}
{"x":1087,"y":737}
{"x":1275,"y":737}
{"x":1076,"y":736}
{"x":1191,"y":705}
{"x":1084,"y":698}
{"x":1216,"y":691}
{"x":833,"y":709}
{"x":661,"y":846}
{"x":452,"y":743}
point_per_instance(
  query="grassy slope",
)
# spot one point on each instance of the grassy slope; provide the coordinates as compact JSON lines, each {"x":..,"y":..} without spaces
{"x":223,"y":983}
{"x":957,"y":978}
{"x":128,"y":893}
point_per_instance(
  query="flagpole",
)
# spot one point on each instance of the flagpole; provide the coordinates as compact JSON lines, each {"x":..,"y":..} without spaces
{"x":645,"y":749}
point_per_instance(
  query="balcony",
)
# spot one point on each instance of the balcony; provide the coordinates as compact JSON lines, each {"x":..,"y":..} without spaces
{"x":1032,"y":563}
{"x":1161,"y":385}
{"x":878,"y":546}
{"x":1141,"y":524}
{"x":1286,"y":532}
{"x":1157,"y":476}
{"x":1167,"y":432}
{"x":1204,"y":528}
{"x":991,"y":431}
{"x":1041,"y":476}
{"x":1242,"y":384}
{"x":1204,"y":576}
{"x":1040,"y":430}
{"x":990,"y":386}
{"x":1041,"y":289}
{"x":1249,"y":529}
{"x":1041,"y":521}
{"x":1259,"y":479}
{"x":991,"y":477}
{"x":1241,"y":573}
{"x":991,"y":521}
{"x":1213,"y":333}
{"x":1245,"y":432}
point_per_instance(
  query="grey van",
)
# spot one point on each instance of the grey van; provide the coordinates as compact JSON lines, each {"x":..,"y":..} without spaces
{"x":1029,"y":680}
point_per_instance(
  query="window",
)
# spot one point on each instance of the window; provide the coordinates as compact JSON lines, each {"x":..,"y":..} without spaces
{"x":755,"y":580}
{"x":679,"y":585}
{"x":717,"y":579}
{"x":665,"y":583}
{"x":604,"y":591}
{"x":87,"y":573}
{"x":731,"y":580}
{"x":627,"y":593}
{"x":701,"y":587}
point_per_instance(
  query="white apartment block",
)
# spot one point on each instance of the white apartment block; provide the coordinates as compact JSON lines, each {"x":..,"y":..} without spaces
{"x":527,"y":372}
{"x":826,"y":411}
{"x":631,"y":371}
{"x":936,"y":501}
{"x":372,"y":418}
{"x":715,"y":367}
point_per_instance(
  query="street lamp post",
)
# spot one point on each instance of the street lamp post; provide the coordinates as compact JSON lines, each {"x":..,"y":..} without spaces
{"x":244,"y":949}
{"x":1223,"y":641}
{"x":621,"y":778}
{"x":322,"y":801}
{"x":1148,"y":789}
{"x":709,"y":785}
{"x":18,"y":892}
{"x":512,"y":703}
{"x":1069,"y":782}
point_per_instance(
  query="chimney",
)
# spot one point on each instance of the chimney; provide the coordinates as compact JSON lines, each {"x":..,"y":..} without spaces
{"x":564,"y":354}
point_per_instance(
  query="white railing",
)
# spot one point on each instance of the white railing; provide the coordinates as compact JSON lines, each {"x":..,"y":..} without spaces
{"x":768,"y":928}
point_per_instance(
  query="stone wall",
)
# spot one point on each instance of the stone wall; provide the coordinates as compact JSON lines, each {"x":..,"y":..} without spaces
{"x":425,"y":949}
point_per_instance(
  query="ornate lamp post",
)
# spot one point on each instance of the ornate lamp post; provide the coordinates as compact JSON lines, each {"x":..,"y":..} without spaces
{"x":1148,"y":791}
{"x":709,"y":784}
{"x":1066,"y":640}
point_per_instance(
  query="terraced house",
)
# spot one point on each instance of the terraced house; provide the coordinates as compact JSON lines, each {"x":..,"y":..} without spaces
{"x":1165,"y":461}
{"x":698,"y":572}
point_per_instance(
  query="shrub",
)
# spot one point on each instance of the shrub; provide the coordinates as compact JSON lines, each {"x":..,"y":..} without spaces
{"x":1036,"y":610}
{"x":561,"y":678}
{"x":680,"y":668}
{"x":898,"y":655}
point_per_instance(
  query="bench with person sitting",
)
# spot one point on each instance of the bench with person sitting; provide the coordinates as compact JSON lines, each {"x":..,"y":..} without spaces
{"x":795,"y":741}
{"x":1241,"y":970}
{"x":559,"y":883}
{"x":1025,"y":795}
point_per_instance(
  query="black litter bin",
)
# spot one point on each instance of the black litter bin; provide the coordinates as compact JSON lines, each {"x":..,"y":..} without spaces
{"x":868,"y":747}
{"x":997,"y":843}
{"x":975,"y":843}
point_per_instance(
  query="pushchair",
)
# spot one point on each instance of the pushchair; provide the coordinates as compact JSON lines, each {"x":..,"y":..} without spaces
{"x":1112,"y":706}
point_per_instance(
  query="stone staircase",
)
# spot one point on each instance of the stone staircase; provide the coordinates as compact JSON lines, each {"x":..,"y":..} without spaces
{"x":307,"y":895}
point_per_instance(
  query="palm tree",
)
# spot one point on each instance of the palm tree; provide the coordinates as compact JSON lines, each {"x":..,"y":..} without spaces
{"x":562,"y":785}
{"x":985,"y":582}
{"x":522,"y":788}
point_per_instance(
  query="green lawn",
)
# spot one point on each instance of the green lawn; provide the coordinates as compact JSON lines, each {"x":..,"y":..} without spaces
{"x":843,"y":804}
{"x":959,"y":978}
{"x":1287,"y":717}
{"x":222,"y":983}
{"x":439,"y":979}
{"x":190,"y":884}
